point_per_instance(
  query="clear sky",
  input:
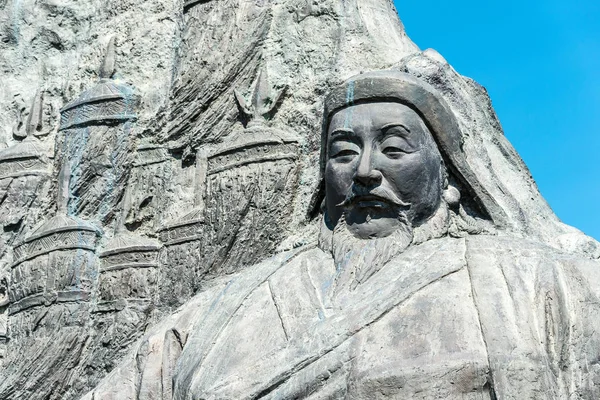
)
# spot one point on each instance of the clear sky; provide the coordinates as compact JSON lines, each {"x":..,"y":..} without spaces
{"x":540,"y":62}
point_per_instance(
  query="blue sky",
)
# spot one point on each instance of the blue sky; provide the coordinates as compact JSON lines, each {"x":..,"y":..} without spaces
{"x":540,"y":61}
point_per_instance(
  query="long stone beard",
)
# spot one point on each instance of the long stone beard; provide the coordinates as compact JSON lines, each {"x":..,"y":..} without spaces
{"x":356,"y":259}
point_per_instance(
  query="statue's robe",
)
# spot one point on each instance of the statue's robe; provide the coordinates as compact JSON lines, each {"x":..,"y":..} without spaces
{"x":476,"y":318}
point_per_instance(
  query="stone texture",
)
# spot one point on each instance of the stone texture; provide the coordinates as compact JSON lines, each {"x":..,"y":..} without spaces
{"x":420,"y":328}
{"x":188,"y":135}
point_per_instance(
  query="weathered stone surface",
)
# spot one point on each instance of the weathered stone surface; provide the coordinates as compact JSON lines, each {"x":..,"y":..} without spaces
{"x":420,"y":284}
{"x":189,"y":136}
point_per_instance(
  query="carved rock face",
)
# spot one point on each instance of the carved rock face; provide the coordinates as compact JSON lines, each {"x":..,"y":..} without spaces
{"x":250,"y":183}
{"x":97,"y":139}
{"x":382,"y":161}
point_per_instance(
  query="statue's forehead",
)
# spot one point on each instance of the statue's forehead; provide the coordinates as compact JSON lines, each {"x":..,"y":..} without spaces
{"x":374,"y":114}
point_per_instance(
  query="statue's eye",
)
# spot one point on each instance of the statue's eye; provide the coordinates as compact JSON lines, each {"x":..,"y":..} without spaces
{"x":396,"y":146}
{"x":344,"y":151}
{"x":393,"y":152}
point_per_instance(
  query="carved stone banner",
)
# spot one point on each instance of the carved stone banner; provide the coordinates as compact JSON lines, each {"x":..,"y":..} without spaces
{"x":52,"y":279}
{"x":96,"y":136}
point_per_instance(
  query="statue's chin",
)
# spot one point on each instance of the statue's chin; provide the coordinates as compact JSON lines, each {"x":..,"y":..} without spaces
{"x":365,"y":223}
{"x":358,"y":258}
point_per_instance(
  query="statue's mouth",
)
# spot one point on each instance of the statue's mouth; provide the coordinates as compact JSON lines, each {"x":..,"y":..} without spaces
{"x":371,"y":201}
{"x":378,"y":199}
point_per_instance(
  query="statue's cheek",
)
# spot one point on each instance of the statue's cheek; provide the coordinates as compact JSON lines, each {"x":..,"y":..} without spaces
{"x":416,"y":179}
{"x":339,"y":174}
{"x":338,"y":182}
{"x":405,"y":172}
{"x":409,"y":175}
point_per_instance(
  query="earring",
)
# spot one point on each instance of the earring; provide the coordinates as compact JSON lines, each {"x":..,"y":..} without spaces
{"x":452,"y":196}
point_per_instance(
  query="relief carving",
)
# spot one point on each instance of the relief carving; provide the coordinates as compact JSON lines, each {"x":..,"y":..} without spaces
{"x":128,"y":267}
{"x":56,"y":261}
{"x":50,"y":292}
{"x":24,"y":177}
{"x":4,"y":301}
{"x":97,"y":136}
{"x":246,"y":181}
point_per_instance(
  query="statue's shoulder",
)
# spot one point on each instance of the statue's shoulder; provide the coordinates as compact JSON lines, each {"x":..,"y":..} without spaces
{"x":281,"y":260}
{"x":229,"y":290}
{"x":520,"y":246}
{"x":524,"y":256}
{"x":502,"y":243}
{"x":206,"y":313}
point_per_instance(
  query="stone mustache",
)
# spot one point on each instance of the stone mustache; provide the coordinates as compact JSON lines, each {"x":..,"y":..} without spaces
{"x":415,"y":289}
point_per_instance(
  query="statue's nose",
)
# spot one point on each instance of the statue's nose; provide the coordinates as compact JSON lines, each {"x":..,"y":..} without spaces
{"x":366,"y":174}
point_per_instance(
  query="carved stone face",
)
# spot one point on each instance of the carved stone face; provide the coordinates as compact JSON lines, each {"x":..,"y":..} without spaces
{"x":381,"y":162}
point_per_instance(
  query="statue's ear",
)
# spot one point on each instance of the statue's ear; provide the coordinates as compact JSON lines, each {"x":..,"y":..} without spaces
{"x":451,"y":196}
{"x":471,"y":216}
{"x":450,"y":193}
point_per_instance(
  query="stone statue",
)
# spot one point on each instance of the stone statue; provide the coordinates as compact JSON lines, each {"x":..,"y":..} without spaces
{"x":416,"y":287}
{"x":180,"y":219}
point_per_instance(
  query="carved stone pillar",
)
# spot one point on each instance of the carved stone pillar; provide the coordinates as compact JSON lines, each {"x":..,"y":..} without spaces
{"x":126,"y":295}
{"x":51,"y":287}
{"x":96,"y":137}
{"x":127,"y":273}
{"x":53,"y":273}
{"x":250,"y":187}
{"x":150,"y":175}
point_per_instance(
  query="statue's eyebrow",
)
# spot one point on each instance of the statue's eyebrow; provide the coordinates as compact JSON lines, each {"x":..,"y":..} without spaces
{"x":394,"y":125}
{"x":342,"y":131}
